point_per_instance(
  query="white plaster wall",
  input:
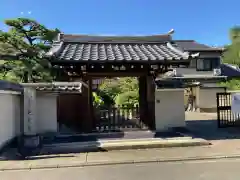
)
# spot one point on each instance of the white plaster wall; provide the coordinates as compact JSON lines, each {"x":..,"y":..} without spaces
{"x":169,"y":108}
{"x":46,"y":113}
{"x":208,"y":97}
{"x":9,"y":115}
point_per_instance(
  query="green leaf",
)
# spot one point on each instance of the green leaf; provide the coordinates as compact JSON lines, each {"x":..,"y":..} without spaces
{"x":29,"y":40}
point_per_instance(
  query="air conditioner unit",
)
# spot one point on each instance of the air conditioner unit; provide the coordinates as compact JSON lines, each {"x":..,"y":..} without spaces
{"x":217,"y":72}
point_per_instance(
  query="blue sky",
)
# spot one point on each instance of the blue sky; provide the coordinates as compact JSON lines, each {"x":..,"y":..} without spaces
{"x":206,"y":21}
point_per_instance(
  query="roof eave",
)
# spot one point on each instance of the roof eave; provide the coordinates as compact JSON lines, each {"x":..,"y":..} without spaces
{"x":54,"y":50}
{"x":56,"y":61}
{"x":206,"y":50}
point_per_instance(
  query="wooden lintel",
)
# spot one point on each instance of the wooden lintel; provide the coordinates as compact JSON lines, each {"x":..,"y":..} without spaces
{"x":116,"y":74}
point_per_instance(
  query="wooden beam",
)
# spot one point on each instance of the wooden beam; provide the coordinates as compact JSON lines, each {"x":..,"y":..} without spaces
{"x":116,"y":74}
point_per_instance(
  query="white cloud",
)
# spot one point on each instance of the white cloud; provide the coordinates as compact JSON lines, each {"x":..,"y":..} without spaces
{"x":29,"y":12}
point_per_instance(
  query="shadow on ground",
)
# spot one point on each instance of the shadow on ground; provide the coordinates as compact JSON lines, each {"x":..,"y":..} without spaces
{"x":13,"y":155}
{"x":208,"y":129}
{"x":11,"y":152}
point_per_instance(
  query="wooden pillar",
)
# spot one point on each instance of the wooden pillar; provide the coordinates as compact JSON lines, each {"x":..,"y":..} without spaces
{"x":142,"y":100}
{"x":90,"y":105}
{"x":86,"y":113}
{"x":151,"y":102}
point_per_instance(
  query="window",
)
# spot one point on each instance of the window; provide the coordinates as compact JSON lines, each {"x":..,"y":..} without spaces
{"x":204,"y":65}
{"x":193,"y":63}
{"x":216,"y":63}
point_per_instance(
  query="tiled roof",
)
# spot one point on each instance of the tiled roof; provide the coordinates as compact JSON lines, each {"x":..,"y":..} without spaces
{"x":59,"y":88}
{"x":89,"y":48}
{"x":118,"y":52}
{"x":56,"y":86}
{"x":49,"y":87}
{"x":191,"y":45}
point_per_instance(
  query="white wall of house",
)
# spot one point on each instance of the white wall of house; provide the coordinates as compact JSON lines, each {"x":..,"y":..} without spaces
{"x":46,"y":112}
{"x":9,"y":115}
{"x":169,"y":108}
{"x":207,"y":98}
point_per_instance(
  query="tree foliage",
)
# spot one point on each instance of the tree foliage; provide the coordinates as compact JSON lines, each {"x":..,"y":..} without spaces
{"x":122,"y":91}
{"x":110,"y":87}
{"x":97,"y":100}
{"x":128,"y":84}
{"x":28,"y":40}
{"x":235,"y":34}
{"x":232,"y":53}
{"x":127,"y":98}
{"x":233,"y":84}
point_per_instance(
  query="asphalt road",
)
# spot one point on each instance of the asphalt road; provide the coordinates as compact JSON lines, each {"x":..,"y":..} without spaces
{"x":197,"y":170}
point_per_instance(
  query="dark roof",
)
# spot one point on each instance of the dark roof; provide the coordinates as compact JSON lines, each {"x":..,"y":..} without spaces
{"x":115,"y":48}
{"x":229,"y":70}
{"x":114,"y":39}
{"x":169,"y":83}
{"x":191,"y":45}
{"x":5,"y":85}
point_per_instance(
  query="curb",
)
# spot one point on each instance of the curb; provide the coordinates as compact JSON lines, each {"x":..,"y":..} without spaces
{"x":124,"y":162}
{"x":154,"y":161}
{"x":118,"y":145}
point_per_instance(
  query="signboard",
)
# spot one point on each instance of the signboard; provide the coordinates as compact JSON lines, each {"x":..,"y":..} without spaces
{"x":236,"y":103}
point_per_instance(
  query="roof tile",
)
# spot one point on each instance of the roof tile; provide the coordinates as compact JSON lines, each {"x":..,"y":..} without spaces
{"x":191,"y":45}
{"x":118,"y":52}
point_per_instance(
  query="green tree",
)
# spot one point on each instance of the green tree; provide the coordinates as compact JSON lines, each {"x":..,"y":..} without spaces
{"x":127,"y":98}
{"x":232,"y":53}
{"x":123,"y":91}
{"x":235,"y":34}
{"x":28,"y":40}
{"x":233,"y":84}
{"x":97,"y":101}
{"x":129,"y":92}
{"x":128,"y":84}
{"x":110,"y":87}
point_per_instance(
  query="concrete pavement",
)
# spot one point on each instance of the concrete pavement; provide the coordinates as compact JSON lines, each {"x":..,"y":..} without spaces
{"x":197,"y":170}
{"x":219,"y":150}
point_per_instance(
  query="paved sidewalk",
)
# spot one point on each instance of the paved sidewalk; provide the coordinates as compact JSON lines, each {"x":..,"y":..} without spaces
{"x":219,"y":149}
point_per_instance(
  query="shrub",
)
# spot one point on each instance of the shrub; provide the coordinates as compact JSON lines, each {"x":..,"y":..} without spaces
{"x":127,"y":98}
